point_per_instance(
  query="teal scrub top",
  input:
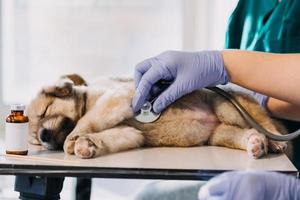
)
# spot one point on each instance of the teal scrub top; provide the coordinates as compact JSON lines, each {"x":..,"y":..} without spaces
{"x":269,"y":26}
{"x":265,"y":25}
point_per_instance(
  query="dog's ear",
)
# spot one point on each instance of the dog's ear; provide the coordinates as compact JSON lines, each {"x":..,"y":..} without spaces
{"x":62,"y":88}
{"x":77,"y":79}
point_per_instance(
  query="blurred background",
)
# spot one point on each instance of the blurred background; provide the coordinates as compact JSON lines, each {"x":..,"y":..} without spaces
{"x":43,"y":39}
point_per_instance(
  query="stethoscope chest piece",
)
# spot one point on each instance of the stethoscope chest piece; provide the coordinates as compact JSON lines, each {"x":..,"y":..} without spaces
{"x":146,"y":115}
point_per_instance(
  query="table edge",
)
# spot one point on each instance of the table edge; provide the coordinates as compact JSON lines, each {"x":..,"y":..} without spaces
{"x":110,"y":172}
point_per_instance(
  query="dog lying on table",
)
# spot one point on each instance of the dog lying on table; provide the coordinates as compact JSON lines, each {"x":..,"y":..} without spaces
{"x":91,"y":120}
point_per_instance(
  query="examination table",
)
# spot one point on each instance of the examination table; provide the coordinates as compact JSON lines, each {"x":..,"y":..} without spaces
{"x":41,"y":173}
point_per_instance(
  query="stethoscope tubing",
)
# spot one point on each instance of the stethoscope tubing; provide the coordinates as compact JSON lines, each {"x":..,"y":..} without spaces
{"x":250,"y":120}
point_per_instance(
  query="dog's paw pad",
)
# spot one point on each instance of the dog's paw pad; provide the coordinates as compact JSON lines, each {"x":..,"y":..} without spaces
{"x":84,"y":148}
{"x":277,"y":147}
{"x":257,"y":145}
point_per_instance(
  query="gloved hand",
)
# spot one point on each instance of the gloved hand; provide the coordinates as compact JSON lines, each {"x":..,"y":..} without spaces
{"x":249,"y":185}
{"x":187,"y":71}
{"x":260,"y":98}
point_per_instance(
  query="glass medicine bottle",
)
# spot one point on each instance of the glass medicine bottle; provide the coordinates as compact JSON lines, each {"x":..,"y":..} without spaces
{"x":16,"y":131}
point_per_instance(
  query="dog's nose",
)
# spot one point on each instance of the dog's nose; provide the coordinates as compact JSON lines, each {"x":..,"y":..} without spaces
{"x":45,"y":135}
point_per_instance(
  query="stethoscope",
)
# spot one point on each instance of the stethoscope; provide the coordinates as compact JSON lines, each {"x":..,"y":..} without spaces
{"x":147,"y":115}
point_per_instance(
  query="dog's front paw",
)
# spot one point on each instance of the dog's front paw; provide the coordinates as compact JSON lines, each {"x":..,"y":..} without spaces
{"x":277,"y":146}
{"x":69,"y":144}
{"x":256,"y":144}
{"x":85,"y":148}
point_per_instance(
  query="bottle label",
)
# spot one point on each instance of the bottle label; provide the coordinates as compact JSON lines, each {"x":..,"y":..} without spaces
{"x":16,"y":136}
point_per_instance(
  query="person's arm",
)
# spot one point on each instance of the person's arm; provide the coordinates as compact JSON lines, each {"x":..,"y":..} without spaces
{"x":283,"y":110}
{"x":275,"y":75}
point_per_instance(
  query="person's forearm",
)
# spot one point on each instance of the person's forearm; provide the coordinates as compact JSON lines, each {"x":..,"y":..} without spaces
{"x":283,"y":110}
{"x":275,"y":75}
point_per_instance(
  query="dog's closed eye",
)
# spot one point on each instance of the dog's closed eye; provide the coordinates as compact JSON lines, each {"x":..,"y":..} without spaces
{"x":54,"y":130}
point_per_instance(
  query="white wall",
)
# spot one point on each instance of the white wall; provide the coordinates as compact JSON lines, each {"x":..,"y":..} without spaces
{"x":43,"y":39}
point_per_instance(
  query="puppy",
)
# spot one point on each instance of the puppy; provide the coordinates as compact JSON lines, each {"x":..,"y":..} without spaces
{"x":91,"y":120}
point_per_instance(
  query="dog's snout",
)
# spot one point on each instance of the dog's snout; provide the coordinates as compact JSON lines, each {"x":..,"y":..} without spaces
{"x":45,"y":135}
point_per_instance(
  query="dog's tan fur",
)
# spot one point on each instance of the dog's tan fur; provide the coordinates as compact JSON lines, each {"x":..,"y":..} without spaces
{"x":103,"y":118}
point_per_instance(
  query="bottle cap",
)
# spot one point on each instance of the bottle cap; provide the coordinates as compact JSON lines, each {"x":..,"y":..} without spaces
{"x":17,"y":107}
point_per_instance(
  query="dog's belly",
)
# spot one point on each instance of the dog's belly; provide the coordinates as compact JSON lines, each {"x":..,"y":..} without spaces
{"x":187,"y":122}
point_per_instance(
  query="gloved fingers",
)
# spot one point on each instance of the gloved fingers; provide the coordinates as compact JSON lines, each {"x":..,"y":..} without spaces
{"x":138,"y":101}
{"x":155,"y":90}
{"x":246,"y":185}
{"x":261,"y":99}
{"x":140,"y":69}
{"x":217,"y":187}
{"x":144,"y":87}
{"x":158,"y":88}
{"x":213,"y":192}
{"x":171,"y":94}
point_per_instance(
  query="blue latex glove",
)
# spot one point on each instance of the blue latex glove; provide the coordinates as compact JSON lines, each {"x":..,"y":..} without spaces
{"x":260,"y":98}
{"x":250,"y":185}
{"x":187,"y":71}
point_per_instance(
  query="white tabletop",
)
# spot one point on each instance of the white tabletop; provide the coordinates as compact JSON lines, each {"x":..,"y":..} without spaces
{"x":183,"y":160}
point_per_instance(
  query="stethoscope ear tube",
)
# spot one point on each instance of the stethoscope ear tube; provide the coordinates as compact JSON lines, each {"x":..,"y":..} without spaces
{"x":250,"y":120}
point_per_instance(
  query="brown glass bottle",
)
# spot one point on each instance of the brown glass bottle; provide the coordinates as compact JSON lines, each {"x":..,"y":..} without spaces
{"x":16,"y":131}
